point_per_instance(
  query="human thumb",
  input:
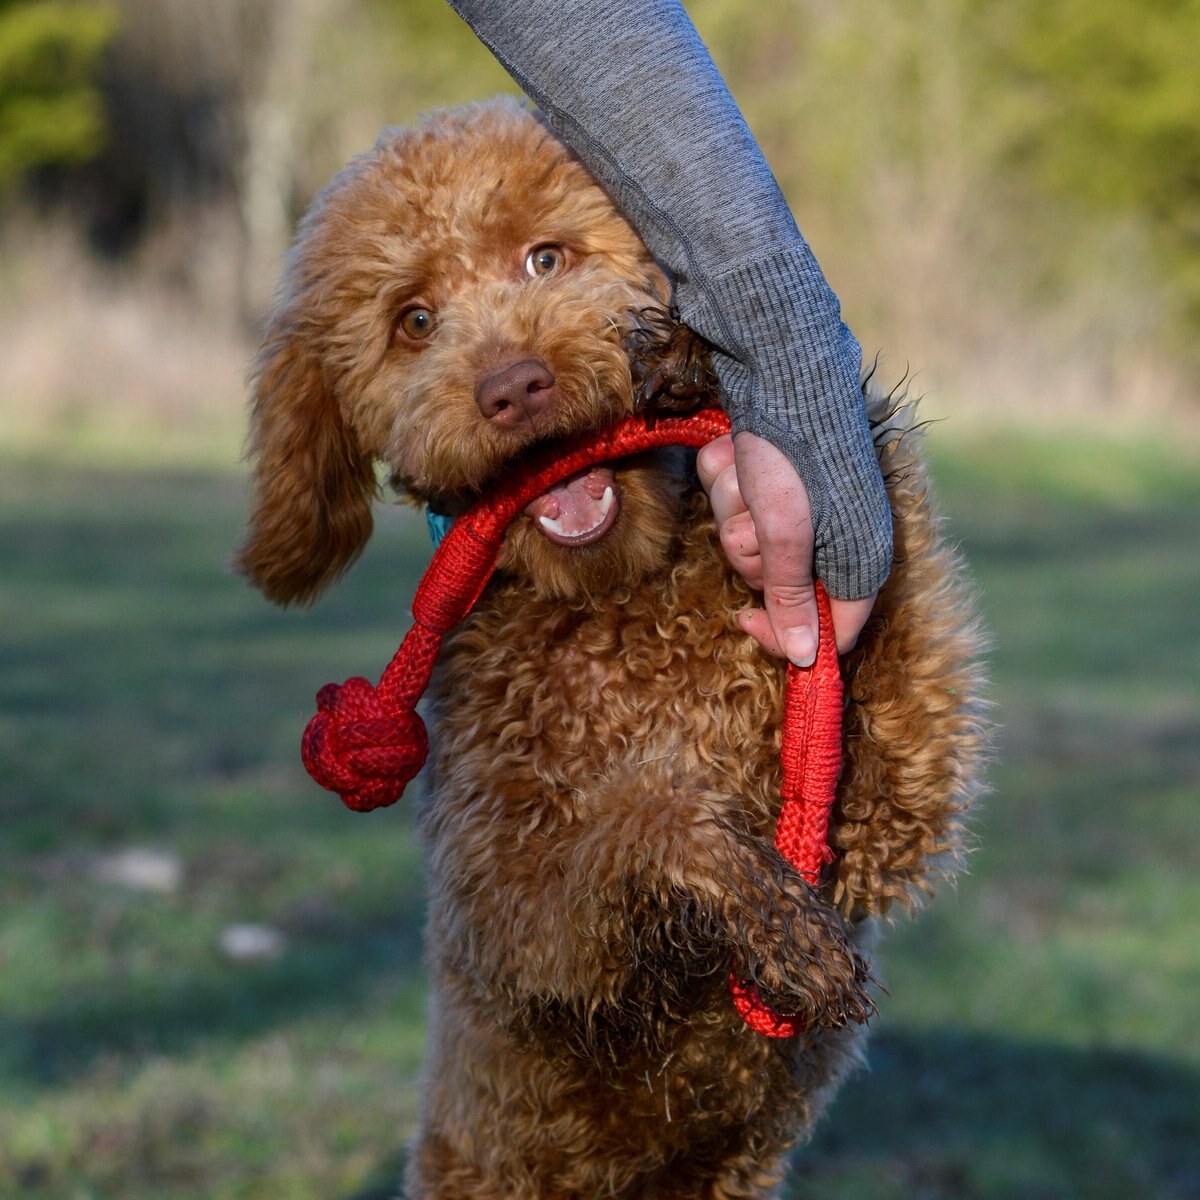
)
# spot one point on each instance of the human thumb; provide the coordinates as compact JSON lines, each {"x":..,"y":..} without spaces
{"x":782,"y":515}
{"x":800,"y":646}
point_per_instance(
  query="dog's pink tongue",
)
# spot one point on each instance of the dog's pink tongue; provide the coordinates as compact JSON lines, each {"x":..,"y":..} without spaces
{"x":579,"y":510}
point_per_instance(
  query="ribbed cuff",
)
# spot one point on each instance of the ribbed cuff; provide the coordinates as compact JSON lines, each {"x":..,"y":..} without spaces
{"x":790,"y":372}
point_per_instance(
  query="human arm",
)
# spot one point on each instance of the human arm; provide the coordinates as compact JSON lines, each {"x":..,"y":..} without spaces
{"x":630,"y":87}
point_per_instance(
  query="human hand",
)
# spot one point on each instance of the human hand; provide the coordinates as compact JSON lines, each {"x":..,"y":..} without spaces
{"x":766,"y":531}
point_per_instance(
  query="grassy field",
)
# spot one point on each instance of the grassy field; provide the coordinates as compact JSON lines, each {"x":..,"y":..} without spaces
{"x":1041,"y":1039}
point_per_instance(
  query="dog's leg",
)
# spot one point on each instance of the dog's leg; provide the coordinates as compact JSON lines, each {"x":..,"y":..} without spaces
{"x":658,"y":868}
{"x":582,"y":1013}
{"x":787,"y":940}
{"x":917,"y":730}
{"x":699,"y":851}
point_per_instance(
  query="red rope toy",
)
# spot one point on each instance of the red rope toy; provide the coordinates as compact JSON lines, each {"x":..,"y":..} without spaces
{"x":366,"y":743}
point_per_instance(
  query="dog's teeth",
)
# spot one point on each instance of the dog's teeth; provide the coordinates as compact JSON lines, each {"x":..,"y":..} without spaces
{"x":554,"y":525}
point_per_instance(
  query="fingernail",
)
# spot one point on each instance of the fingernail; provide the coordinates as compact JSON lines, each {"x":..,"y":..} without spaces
{"x":801,"y":646}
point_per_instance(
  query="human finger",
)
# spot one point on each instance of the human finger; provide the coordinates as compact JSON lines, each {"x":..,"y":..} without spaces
{"x":718,"y":475}
{"x":739,"y":541}
{"x":779,"y":506}
{"x":849,"y":617}
{"x":714,"y":458}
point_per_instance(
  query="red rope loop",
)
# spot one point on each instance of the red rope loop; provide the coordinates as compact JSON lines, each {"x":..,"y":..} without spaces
{"x":811,"y":758}
{"x":366,"y":743}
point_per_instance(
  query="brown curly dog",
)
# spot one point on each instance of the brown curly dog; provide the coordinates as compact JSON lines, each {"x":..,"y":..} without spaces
{"x":599,"y":810}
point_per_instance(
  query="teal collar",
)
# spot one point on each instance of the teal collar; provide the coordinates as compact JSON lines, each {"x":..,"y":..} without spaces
{"x":439,"y":525}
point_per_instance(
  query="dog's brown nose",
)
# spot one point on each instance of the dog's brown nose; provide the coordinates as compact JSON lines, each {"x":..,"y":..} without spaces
{"x":516,"y":394}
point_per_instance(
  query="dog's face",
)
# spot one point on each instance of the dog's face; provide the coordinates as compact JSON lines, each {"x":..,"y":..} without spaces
{"x":455,"y":296}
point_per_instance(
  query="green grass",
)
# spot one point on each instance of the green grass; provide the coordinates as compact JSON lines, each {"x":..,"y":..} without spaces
{"x":1041,"y":1039}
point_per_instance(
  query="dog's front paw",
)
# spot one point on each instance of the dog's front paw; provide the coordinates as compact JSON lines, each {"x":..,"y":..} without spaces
{"x":797,"y":953}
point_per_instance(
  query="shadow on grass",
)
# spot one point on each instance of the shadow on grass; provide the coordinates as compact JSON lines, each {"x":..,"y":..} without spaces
{"x":235,"y":1003}
{"x":957,"y":1116}
{"x":383,"y":1182}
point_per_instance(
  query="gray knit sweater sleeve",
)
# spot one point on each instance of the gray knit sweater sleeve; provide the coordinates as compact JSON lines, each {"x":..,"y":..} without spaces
{"x":629,"y":85}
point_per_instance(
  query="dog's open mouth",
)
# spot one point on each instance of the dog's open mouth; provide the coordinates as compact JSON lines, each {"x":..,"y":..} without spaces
{"x":579,"y":510}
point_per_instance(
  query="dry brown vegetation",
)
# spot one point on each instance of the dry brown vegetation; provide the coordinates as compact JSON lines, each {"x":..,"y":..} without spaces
{"x":132,"y":288}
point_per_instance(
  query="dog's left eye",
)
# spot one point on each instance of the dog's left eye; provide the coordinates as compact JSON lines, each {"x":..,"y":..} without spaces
{"x":545,"y":260}
{"x":416,"y":323}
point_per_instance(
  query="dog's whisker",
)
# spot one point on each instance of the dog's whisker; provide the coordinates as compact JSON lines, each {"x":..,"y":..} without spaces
{"x":641,"y":762}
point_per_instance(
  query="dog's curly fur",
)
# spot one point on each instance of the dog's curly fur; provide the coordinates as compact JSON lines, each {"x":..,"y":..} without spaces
{"x":599,"y":810}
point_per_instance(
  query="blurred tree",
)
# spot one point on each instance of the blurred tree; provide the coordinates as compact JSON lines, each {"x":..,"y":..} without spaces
{"x":995,"y":164}
{"x":960,"y":166}
{"x":1104,"y":115}
{"x":50,"y":107}
{"x":228,"y":115}
{"x":330,"y":74}
{"x":874,"y":115}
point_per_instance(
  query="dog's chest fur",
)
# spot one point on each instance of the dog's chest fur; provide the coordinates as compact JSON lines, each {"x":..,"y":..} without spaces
{"x":653,"y":683}
{"x":559,"y":752}
{"x":599,"y":728}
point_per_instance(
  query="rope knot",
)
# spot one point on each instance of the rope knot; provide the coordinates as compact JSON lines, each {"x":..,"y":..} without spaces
{"x":362,"y":747}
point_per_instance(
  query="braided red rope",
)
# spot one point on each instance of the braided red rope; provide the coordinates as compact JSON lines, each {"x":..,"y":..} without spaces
{"x":811,"y":760}
{"x":366,"y":743}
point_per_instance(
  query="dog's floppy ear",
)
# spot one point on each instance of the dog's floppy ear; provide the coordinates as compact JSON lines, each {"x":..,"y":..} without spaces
{"x":313,"y":485}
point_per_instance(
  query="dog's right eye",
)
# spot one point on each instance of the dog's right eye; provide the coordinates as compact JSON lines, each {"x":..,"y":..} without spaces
{"x":545,"y":260}
{"x":416,"y":323}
